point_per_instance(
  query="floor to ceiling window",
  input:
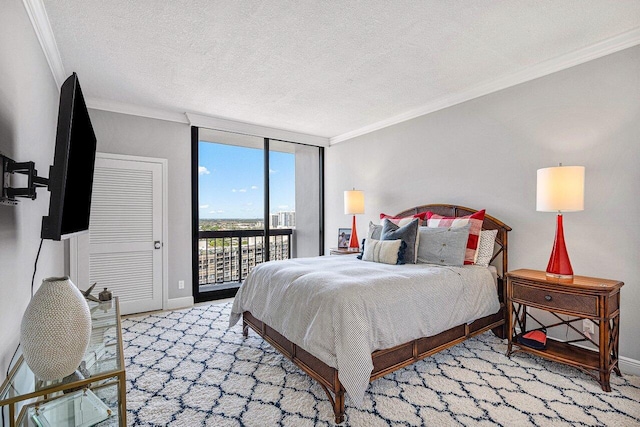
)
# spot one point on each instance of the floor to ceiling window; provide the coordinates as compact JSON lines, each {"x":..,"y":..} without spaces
{"x":255,"y":199}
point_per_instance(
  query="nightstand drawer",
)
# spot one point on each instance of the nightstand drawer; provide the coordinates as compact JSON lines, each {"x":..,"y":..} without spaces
{"x":579,"y":304}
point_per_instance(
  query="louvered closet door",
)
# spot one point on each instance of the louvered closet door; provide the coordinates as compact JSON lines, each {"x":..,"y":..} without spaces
{"x":125,"y":232}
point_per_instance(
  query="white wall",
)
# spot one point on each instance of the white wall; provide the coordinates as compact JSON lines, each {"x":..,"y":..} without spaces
{"x":484,"y":154}
{"x":141,"y":136}
{"x":28,"y":118}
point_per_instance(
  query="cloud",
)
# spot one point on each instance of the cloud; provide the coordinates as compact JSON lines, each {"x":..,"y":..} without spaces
{"x":219,"y":211}
{"x":250,"y":204}
{"x":234,"y":190}
{"x":272,"y":170}
{"x":204,"y":206}
{"x":242,"y":190}
{"x":254,"y":187}
{"x":203,"y":170}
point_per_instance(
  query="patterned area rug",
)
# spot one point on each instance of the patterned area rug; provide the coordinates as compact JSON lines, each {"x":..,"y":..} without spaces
{"x":185,"y":368}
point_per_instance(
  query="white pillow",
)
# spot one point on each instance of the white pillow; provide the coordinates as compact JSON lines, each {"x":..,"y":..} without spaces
{"x":384,"y":251}
{"x":485,"y":247}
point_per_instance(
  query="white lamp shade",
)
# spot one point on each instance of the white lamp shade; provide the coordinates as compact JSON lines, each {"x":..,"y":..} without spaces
{"x":560,"y":188}
{"x":353,"y":202}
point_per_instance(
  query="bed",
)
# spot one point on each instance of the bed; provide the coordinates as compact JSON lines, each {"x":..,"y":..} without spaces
{"x":347,"y":322}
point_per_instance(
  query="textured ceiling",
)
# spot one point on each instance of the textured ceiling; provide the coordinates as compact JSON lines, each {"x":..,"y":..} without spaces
{"x":321,"y":68}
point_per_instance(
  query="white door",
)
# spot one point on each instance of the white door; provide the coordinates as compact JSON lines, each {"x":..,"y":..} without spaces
{"x":123,"y":250}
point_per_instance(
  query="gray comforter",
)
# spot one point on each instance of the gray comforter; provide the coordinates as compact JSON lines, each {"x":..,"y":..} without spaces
{"x":341,"y":309}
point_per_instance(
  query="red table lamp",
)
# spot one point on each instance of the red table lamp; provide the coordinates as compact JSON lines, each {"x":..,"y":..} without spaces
{"x":560,"y":189}
{"x":354,"y":205}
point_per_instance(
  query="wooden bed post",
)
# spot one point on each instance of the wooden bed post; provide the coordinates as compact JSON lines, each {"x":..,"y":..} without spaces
{"x":338,"y":406}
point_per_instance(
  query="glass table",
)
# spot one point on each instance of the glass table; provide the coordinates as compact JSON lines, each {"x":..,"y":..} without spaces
{"x":95,"y":395}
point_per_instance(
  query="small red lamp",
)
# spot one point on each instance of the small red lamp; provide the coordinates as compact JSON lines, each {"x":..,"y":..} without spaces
{"x":560,"y":189}
{"x":354,"y":205}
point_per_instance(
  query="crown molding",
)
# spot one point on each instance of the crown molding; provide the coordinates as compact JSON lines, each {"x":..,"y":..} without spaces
{"x":606,"y":47}
{"x":201,"y":120}
{"x":135,"y":110}
{"x":41,"y":25}
{"x":228,"y":125}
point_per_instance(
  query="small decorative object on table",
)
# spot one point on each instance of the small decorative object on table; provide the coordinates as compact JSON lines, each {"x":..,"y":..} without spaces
{"x":105,"y":295}
{"x":344,"y":234}
{"x":105,"y":298}
{"x":55,"y":329}
{"x":87,"y":293}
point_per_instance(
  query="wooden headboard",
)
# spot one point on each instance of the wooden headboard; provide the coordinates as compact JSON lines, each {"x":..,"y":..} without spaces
{"x":490,"y":223}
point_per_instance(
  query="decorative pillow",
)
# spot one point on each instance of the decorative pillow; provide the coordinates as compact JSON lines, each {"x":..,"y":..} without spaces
{"x":404,"y":220}
{"x":443,"y":246}
{"x":374,"y":231}
{"x":485,"y":247}
{"x":476,"y":219}
{"x":408,"y":233}
{"x":384,"y":251}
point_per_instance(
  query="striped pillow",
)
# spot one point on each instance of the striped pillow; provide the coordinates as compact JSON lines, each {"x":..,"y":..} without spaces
{"x":403,"y":220}
{"x":476,"y":220}
{"x":384,"y":251}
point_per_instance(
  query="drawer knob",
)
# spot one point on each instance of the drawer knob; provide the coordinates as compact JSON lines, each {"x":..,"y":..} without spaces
{"x":547,"y":297}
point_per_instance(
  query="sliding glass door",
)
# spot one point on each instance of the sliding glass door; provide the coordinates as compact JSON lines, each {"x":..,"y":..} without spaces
{"x":255,"y":199}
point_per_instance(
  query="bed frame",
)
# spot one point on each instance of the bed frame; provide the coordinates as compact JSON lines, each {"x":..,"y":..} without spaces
{"x":391,"y":359}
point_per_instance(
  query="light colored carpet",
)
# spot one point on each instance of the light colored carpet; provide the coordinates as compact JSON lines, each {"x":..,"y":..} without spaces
{"x":185,"y":368}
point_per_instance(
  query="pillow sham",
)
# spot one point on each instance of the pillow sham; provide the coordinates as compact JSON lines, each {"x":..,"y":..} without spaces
{"x":384,"y":251}
{"x":374,"y":231}
{"x":485,"y":247}
{"x":408,"y":233}
{"x":476,"y":219}
{"x":443,"y":246}
{"x":403,"y":220}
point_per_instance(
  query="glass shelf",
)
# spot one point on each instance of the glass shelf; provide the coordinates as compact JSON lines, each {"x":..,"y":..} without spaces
{"x":75,"y":401}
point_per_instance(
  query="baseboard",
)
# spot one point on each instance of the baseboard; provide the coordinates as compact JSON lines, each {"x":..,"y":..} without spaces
{"x":629,"y":366}
{"x":174,"y":303}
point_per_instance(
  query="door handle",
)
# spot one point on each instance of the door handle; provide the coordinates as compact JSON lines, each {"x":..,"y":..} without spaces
{"x":157,"y":244}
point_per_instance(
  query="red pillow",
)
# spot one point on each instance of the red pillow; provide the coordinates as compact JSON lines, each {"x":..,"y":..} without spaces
{"x":397,"y":219}
{"x":476,"y":220}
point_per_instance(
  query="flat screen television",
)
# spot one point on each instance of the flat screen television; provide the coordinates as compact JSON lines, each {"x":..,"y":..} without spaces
{"x":71,"y":176}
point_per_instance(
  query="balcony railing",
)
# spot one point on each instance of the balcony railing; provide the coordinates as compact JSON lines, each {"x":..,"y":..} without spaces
{"x":228,"y":256}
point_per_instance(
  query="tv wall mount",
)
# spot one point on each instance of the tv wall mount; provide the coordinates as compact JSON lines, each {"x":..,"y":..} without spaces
{"x":8,"y":167}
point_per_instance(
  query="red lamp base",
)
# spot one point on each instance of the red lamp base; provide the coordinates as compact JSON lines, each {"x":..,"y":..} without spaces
{"x":559,"y":266}
{"x":353,"y":241}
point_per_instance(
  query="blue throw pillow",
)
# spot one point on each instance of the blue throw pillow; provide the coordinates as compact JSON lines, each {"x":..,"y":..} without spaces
{"x":407,"y":233}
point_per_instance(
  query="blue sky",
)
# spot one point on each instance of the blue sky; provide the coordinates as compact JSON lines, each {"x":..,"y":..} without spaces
{"x":231,"y":181}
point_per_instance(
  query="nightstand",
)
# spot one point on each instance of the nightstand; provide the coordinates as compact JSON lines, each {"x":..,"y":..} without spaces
{"x":343,"y":251}
{"x":582,"y":298}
